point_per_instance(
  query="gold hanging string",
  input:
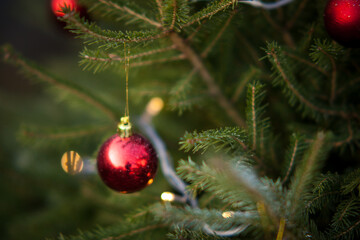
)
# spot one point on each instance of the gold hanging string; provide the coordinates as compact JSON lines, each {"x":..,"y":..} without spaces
{"x":124,"y":127}
{"x":127,"y":68}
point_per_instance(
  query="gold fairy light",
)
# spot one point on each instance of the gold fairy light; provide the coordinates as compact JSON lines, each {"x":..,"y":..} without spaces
{"x":227,"y":214}
{"x":154,"y":106}
{"x":71,"y":162}
{"x":167,"y":196}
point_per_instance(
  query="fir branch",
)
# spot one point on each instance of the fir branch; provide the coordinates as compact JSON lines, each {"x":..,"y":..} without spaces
{"x":254,"y":114}
{"x":125,"y":9}
{"x":274,"y":53}
{"x":213,"y":8}
{"x":294,"y":152}
{"x":123,"y":230}
{"x":225,"y":139}
{"x":309,"y":166}
{"x":351,"y":182}
{"x":97,"y":60}
{"x":176,"y":12}
{"x":333,"y":75}
{"x":173,"y":15}
{"x":320,"y":196}
{"x":183,"y":233}
{"x":160,"y":8}
{"x":200,"y":219}
{"x":347,"y":230}
{"x":233,"y":183}
{"x":161,"y":60}
{"x":218,"y":36}
{"x":213,"y":88}
{"x":316,"y":67}
{"x":9,"y":55}
{"x":344,"y":210}
{"x":137,"y":231}
{"x":110,"y":39}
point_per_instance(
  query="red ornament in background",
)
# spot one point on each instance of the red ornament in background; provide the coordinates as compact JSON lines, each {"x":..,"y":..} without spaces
{"x":342,"y":21}
{"x":58,"y":5}
{"x":127,"y":164}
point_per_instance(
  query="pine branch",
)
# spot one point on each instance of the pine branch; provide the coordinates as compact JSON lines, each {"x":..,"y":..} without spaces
{"x":225,"y":139}
{"x":183,"y":233}
{"x":351,"y":182}
{"x":230,"y":189}
{"x":33,"y":71}
{"x":131,"y":12}
{"x":100,"y":60}
{"x":233,"y":183}
{"x":160,"y":8}
{"x":207,"y":50}
{"x":213,"y":88}
{"x":254,"y":115}
{"x":314,"y":66}
{"x":333,"y":76}
{"x":347,"y":231}
{"x":213,"y":8}
{"x":294,"y":152}
{"x":306,"y":171}
{"x":161,"y":60}
{"x":196,"y":219}
{"x":295,"y":92}
{"x":137,"y":231}
{"x":106,"y":38}
{"x":124,"y":230}
{"x":176,"y":12}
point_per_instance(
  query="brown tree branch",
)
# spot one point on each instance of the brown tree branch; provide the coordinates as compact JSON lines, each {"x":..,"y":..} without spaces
{"x":213,"y":88}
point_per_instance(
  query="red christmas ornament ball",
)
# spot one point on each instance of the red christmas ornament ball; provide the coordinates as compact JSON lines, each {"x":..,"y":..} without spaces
{"x":127,"y":164}
{"x":58,"y":5}
{"x":342,"y":21}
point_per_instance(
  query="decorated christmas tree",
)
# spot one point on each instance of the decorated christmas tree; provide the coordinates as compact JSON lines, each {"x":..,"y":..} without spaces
{"x":185,"y":120}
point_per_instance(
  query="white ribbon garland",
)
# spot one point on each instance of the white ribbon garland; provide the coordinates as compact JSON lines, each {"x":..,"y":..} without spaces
{"x":268,"y":6}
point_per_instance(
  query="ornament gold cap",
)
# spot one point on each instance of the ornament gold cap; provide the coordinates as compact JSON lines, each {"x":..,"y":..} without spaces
{"x":124,"y":127}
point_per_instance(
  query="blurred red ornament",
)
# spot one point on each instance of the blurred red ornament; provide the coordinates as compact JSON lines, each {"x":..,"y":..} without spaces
{"x":127,"y":164}
{"x":58,"y":5}
{"x":342,"y":21}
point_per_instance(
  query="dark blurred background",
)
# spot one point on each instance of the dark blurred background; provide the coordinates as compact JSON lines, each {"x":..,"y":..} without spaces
{"x":38,"y":199}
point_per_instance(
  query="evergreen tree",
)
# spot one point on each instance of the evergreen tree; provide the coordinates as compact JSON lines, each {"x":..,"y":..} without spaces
{"x":262,"y":102}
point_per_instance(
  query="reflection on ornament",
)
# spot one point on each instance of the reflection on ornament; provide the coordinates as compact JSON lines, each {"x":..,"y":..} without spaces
{"x":167,"y":196}
{"x":227,"y":214}
{"x":71,"y":162}
{"x":154,"y":106}
{"x":342,"y":21}
{"x":58,"y":5}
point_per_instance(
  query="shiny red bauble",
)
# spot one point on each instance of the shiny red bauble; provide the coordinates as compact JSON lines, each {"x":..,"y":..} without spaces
{"x":58,"y":5}
{"x":342,"y":21}
{"x":127,"y":164}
